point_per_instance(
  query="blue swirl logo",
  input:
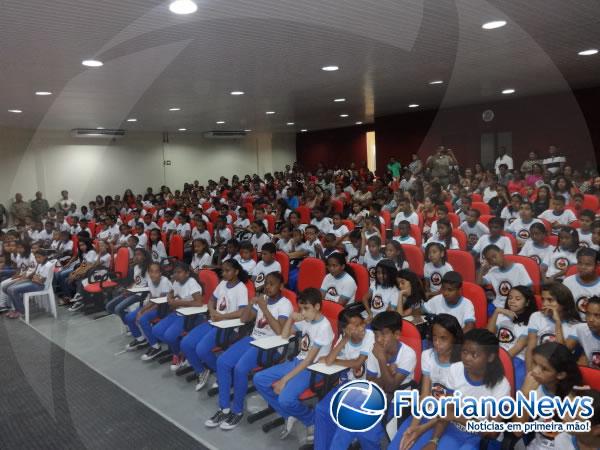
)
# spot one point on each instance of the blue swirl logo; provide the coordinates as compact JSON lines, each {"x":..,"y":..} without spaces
{"x":358,"y":406}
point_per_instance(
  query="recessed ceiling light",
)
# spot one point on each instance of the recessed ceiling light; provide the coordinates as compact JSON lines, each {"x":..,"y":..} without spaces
{"x":413,"y":105}
{"x":183,"y":7}
{"x":508,"y":91}
{"x":132,"y":120}
{"x":43,"y":93}
{"x":493,"y":24}
{"x":289,"y":124}
{"x":182,"y":129}
{"x":92,"y":63}
{"x":270,"y":112}
{"x":359,"y":123}
{"x":343,"y":115}
{"x":15,"y":111}
{"x":248,"y":130}
{"x":330,"y":68}
{"x":588,"y":52}
{"x":174,"y":109}
{"x":339,"y":100}
{"x":436,"y":82}
{"x":99,"y":128}
{"x":237,"y":92}
{"x":303,"y":130}
{"x":220,"y":122}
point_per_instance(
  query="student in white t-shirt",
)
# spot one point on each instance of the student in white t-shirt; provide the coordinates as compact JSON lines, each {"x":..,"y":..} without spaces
{"x":246,"y":260}
{"x":586,"y":282}
{"x":202,"y":255}
{"x":339,"y":230}
{"x":200,"y":232}
{"x":265,"y":266}
{"x":480,"y":373}
{"x":281,"y":385}
{"x":473,"y":228}
{"x":139,"y":321}
{"x":588,"y":334}
{"x":555,"y":322}
{"x":260,"y":236}
{"x":186,"y":292}
{"x":520,"y":227}
{"x":269,"y":312}
{"x":496,"y":226}
{"x":390,"y":365}
{"x":558,"y":216}
{"x":450,"y":301}
{"x":370,"y":252}
{"x":536,"y":246}
{"x":338,"y":285}
{"x":227,"y":302}
{"x":404,"y":237}
{"x":436,"y":266}
{"x":443,"y":235}
{"x":184,"y":229}
{"x":383,"y":293}
{"x":323,"y":224}
{"x":510,"y":212}
{"x":436,"y":362}
{"x":501,"y":274}
{"x":169,"y":226}
{"x":242,"y":223}
{"x":156,"y":246}
{"x":222,"y":234}
{"x":586,"y":219}
{"x":31,"y":283}
{"x":405,"y":212}
{"x":510,"y":325}
{"x":351,"y":350}
{"x":556,"y":264}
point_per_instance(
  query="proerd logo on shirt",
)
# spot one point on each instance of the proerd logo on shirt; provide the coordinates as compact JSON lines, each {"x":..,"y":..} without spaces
{"x":505,"y":335}
{"x":595,"y":359}
{"x":305,"y":343}
{"x":372,"y":272}
{"x":536,"y":259}
{"x":547,"y":337}
{"x":581,"y":303}
{"x":561,"y":263}
{"x":438,"y":390}
{"x":377,"y":302}
{"x":260,"y":278}
{"x":504,"y":288}
{"x":359,"y":371}
{"x":222,"y":304}
{"x":436,"y":278}
{"x":262,"y":323}
{"x":332,"y":291}
{"x":523,"y":234}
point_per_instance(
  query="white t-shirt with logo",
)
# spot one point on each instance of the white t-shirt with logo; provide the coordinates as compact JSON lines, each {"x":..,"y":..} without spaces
{"x":324,"y":225}
{"x":463,"y":310}
{"x":585,"y":239}
{"x":370,"y":263}
{"x":138,"y":279}
{"x":315,"y":333}
{"x":158,"y":251}
{"x":43,"y":270}
{"x":405,"y":361}
{"x":259,"y":241}
{"x":169,"y":226}
{"x":353,"y":351}
{"x":509,"y":332}
{"x":434,"y":275}
{"x":438,"y":372}
{"x":199,"y":262}
{"x":196,"y":234}
{"x":582,"y":291}
{"x":520,"y":229}
{"x":279,"y":308}
{"x":590,"y":342}
{"x":503,"y":242}
{"x":565,"y":218}
{"x":545,"y":328}
{"x":337,"y":288}
{"x":228,"y":298}
{"x":411,"y":218}
{"x":261,"y":270}
{"x":503,"y":280}
{"x":558,"y":260}
{"x":339,"y":232}
{"x":186,"y":290}
{"x":405,"y":240}
{"x":535,"y":252}
{"x":310,"y":247}
{"x":382,"y":298}
{"x":474,"y":232}
{"x":161,"y":289}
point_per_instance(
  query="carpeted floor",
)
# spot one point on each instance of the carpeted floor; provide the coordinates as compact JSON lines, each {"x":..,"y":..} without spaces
{"x":51,"y":400}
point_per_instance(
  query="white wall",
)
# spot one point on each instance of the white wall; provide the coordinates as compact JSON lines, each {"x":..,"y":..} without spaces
{"x":50,"y":161}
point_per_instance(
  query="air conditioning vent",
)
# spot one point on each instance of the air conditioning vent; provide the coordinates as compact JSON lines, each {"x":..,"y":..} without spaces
{"x":94,"y":133}
{"x":224,"y":134}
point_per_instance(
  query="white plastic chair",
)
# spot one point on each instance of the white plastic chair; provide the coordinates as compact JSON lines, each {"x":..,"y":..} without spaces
{"x":48,"y":292}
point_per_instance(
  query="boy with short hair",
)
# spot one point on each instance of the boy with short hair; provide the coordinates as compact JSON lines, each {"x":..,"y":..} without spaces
{"x":586,"y":218}
{"x":496,"y":226}
{"x":588,"y":334}
{"x":405,"y":212}
{"x":450,"y":301}
{"x":281,"y":385}
{"x":265,"y":266}
{"x":586,"y":282}
{"x":558,"y":216}
{"x":473,"y":228}
{"x":519,"y":228}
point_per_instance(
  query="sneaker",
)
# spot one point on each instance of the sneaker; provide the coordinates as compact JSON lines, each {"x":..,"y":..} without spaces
{"x":76,"y":307}
{"x":135,"y":344}
{"x":215,"y":385}
{"x":14,"y":315}
{"x":310,"y":434}
{"x":287,"y":429}
{"x":231,"y":421}
{"x":177,"y":362}
{"x":151,"y":353}
{"x":202,"y":379}
{"x":217,"y":419}
{"x":4,"y":309}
